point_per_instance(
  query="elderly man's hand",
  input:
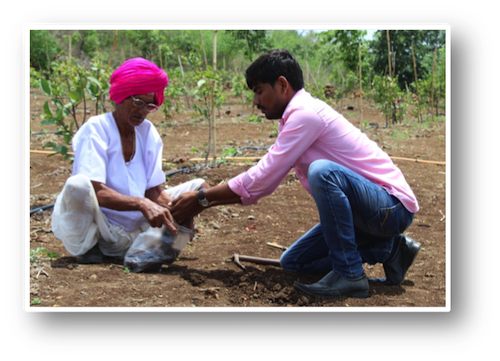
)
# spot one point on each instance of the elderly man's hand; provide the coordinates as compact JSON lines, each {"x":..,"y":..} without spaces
{"x":157,"y":215}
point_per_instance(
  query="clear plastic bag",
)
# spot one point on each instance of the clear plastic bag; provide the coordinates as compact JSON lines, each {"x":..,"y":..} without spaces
{"x":156,"y":247}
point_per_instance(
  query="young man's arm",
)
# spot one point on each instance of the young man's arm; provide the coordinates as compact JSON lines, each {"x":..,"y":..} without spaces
{"x":299,"y":133}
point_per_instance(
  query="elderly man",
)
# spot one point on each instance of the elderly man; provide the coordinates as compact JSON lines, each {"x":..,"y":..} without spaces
{"x":363,"y":199}
{"x":115,"y":195}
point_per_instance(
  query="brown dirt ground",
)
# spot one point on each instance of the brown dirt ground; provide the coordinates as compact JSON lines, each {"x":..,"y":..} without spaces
{"x":205,"y":274}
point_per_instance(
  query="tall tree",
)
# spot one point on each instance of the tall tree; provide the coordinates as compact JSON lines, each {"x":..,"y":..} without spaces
{"x":43,"y":49}
{"x":256,"y":41}
{"x":347,"y":42}
{"x":400,"y":44}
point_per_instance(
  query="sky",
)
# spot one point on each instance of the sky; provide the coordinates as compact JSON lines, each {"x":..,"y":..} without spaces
{"x":369,"y":36}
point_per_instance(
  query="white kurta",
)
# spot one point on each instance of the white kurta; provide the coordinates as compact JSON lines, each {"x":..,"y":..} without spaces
{"x":77,"y":219}
{"x":98,"y":155}
{"x":79,"y":222}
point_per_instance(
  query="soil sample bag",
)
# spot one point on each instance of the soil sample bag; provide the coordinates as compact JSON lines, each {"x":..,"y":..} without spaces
{"x":155,"y":247}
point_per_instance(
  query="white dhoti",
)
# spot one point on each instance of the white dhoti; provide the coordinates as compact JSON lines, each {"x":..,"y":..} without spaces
{"x":78,"y":221}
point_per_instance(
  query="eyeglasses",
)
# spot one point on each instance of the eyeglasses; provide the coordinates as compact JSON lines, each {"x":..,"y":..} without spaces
{"x":139,"y":103}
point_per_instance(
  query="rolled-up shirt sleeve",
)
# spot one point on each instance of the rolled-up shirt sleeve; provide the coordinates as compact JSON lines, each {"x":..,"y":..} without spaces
{"x":299,"y":129}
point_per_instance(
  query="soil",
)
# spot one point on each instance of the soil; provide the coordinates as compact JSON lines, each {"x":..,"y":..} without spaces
{"x":205,"y":274}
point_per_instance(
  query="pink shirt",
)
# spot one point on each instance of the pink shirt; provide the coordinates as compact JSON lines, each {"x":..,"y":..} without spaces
{"x":310,"y":130}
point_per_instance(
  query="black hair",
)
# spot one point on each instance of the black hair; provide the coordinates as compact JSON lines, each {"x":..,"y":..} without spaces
{"x":273,"y":64}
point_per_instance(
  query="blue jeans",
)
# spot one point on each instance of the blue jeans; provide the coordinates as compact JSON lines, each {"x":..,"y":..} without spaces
{"x":359,"y":222}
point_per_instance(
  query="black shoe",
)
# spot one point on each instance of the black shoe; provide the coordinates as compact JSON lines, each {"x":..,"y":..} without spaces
{"x":396,"y":268}
{"x":334,"y":285}
{"x":92,"y":256}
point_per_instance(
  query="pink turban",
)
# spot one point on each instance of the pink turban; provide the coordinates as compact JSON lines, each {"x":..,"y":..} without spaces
{"x":138,"y":76}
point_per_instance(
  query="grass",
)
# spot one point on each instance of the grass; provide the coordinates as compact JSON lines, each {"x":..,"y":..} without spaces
{"x":400,"y":134}
{"x":34,"y":254}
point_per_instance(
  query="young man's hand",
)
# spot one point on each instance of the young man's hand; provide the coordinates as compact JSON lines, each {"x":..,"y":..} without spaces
{"x":185,"y":207}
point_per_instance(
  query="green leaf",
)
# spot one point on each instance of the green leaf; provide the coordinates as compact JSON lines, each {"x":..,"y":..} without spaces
{"x":48,"y":121}
{"x":45,"y":85}
{"x":49,"y":145}
{"x":201,"y":82}
{"x":46,"y":109}
{"x":57,"y":103}
{"x":61,"y":149}
{"x":95,"y":81}
{"x":51,"y":254}
{"x":93,"y":89}
{"x":75,"y":96}
{"x":59,"y":115}
{"x":83,"y":80}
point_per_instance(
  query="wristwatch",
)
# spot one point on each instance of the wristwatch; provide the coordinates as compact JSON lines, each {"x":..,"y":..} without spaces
{"x":201,"y":198}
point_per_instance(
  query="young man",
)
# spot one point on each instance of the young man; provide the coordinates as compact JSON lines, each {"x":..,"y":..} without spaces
{"x":363,"y":199}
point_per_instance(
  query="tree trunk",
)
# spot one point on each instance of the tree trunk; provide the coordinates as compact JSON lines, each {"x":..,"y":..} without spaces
{"x":203,"y":48}
{"x":113,"y":49}
{"x":214,"y":69}
{"x":360,"y":85}
{"x":389,"y":53}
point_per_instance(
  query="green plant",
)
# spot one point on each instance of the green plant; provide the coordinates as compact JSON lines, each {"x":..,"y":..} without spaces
{"x":52,"y":255}
{"x":197,"y":151}
{"x":419,"y":107}
{"x":228,"y":152}
{"x":400,"y":134}
{"x":98,"y":84}
{"x":389,"y":98}
{"x":35,"y":301}
{"x":34,"y":253}
{"x":209,"y":94}
{"x":255,"y":119}
{"x":69,"y":87}
{"x":173,"y":93}
{"x":240,"y":89}
{"x":57,"y":118}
